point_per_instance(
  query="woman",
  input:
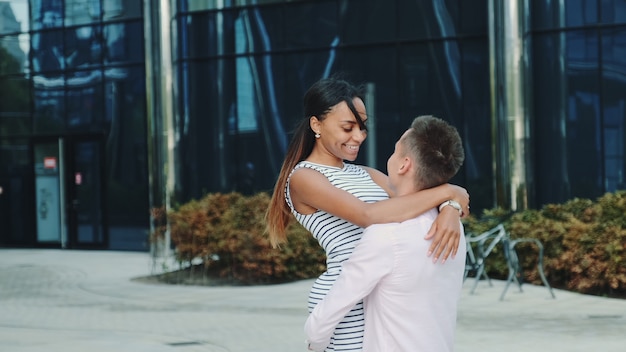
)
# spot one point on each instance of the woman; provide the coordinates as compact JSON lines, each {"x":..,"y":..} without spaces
{"x":336,"y":200}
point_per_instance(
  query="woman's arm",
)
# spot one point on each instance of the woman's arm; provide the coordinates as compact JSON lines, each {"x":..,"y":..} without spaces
{"x":310,"y":190}
{"x":445,"y":231}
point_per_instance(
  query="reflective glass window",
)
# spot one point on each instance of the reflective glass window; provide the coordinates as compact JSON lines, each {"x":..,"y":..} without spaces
{"x":311,"y":25}
{"x":80,"y":12}
{"x":558,"y":14}
{"x":83,"y":99}
{"x":113,"y":10}
{"x":613,"y":11}
{"x":13,"y":54}
{"x":125,"y":118}
{"x":46,"y":14}
{"x":614,"y":107}
{"x":429,"y":19}
{"x":49,"y":104}
{"x":431,"y":74}
{"x":583,"y":114}
{"x":207,"y":34}
{"x":83,"y":47}
{"x":14,"y":16}
{"x":550,"y":119}
{"x":17,"y":182}
{"x":200,"y":5}
{"x":567,"y":114}
{"x":15,"y":105}
{"x":123,"y":42}
{"x":259,"y":29}
{"x":367,"y":21}
{"x":473,"y":17}
{"x":474,"y":123}
{"x":207,"y":128}
{"x":48,"y":51}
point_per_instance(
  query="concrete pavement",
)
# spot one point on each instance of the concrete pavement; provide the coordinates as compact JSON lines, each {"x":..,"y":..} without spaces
{"x":67,"y":300}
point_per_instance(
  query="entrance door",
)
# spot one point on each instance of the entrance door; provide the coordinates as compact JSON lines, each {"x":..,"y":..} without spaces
{"x":69,"y":193}
{"x":84,"y":182}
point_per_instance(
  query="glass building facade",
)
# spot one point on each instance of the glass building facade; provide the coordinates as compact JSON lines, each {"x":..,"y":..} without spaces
{"x":111,"y":107}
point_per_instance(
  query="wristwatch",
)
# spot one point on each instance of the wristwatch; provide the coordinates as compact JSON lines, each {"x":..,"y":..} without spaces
{"x":453,"y":204}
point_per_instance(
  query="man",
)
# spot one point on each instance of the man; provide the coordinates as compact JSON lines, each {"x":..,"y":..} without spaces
{"x":410,"y":302}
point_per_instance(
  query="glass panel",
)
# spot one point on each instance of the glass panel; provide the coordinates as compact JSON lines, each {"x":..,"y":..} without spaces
{"x":311,"y":25}
{"x":121,"y":9}
{"x":430,"y":19}
{"x":15,"y":100}
{"x":79,"y":12}
{"x":208,"y":171}
{"x":581,"y":12}
{"x":87,"y":187}
{"x":613,"y":11}
{"x":366,"y":21}
{"x":432,"y":77}
{"x":12,"y":14}
{"x":16,"y":193}
{"x":124,"y":43}
{"x":207,"y":34}
{"x":49,"y":99}
{"x":473,"y":18}
{"x":48,"y":51}
{"x":474,"y":124}
{"x":567,"y":108}
{"x":83,"y":47}
{"x":614,"y":107}
{"x":259,"y":29}
{"x":14,"y":54}
{"x":46,"y":14}
{"x":583,"y":114}
{"x":558,"y":14}
{"x":549,"y":94}
{"x":199,"y":5}
{"x":83,"y":98}
{"x":126,"y":147}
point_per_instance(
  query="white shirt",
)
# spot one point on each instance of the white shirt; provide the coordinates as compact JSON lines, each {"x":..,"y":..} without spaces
{"x":410,"y":302}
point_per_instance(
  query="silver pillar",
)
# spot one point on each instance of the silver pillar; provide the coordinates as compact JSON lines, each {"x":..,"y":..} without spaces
{"x":508,"y":54}
{"x":162,"y":135}
{"x":370,"y":101}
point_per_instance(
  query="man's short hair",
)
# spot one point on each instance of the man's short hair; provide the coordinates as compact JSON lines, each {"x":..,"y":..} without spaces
{"x":436,"y":147}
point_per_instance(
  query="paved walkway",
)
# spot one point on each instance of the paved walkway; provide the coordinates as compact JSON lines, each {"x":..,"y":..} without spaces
{"x":66,"y":300}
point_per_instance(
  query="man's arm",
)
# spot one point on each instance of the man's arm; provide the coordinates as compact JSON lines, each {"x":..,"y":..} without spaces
{"x":369,"y":263}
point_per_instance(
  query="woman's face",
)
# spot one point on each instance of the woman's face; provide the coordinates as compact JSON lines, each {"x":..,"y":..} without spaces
{"x":340,"y":134}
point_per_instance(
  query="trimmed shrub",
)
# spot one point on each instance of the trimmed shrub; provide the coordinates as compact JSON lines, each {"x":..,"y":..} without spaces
{"x":225,"y":234}
{"x":584,"y":243}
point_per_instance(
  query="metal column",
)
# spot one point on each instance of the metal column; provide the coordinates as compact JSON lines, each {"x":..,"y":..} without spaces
{"x":511,"y":138}
{"x":162,"y":134}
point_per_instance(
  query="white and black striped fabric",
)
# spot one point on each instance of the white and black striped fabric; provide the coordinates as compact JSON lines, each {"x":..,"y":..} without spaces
{"x":338,"y":237}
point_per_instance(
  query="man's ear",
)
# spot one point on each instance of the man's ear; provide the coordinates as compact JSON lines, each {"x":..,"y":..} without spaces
{"x":406,"y":165}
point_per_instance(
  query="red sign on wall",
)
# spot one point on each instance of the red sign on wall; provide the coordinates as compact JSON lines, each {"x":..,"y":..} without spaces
{"x":49,"y":162}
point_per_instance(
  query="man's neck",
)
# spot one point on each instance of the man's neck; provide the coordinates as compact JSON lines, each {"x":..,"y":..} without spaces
{"x":406,"y":188}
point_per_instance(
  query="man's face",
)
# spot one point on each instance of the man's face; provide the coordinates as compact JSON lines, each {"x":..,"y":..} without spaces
{"x":395,"y":163}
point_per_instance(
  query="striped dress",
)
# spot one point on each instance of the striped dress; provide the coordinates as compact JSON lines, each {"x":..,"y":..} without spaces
{"x":338,"y":238}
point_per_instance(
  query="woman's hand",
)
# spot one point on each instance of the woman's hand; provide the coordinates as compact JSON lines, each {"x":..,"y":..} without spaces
{"x":446,"y":234}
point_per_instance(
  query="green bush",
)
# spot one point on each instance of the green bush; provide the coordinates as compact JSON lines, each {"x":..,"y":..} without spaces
{"x":225,"y":232}
{"x":584,"y":243}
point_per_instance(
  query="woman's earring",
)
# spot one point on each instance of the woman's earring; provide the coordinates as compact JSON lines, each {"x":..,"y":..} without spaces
{"x":317,"y":135}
